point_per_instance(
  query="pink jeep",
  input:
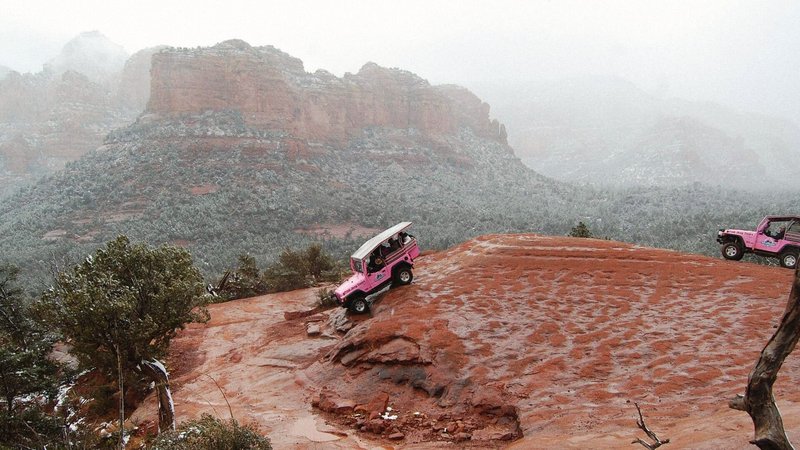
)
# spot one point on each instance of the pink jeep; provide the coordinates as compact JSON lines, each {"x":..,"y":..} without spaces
{"x":383,"y":260}
{"x":775,"y":236}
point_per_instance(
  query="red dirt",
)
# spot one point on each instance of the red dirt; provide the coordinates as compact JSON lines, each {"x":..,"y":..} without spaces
{"x":203,"y":189}
{"x":545,"y":338}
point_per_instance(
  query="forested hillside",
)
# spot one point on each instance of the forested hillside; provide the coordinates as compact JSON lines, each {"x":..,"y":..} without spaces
{"x":230,"y":201}
{"x":242,"y":151}
{"x":168,"y":182}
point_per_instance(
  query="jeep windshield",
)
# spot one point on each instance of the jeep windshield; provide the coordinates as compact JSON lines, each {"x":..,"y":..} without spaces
{"x":356,"y":265}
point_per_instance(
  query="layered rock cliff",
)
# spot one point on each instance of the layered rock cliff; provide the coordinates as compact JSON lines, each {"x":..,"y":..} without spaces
{"x":272,"y":91}
{"x":57,"y":115}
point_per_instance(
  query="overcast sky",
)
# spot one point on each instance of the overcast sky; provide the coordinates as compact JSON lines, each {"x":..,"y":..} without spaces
{"x":745,"y":54}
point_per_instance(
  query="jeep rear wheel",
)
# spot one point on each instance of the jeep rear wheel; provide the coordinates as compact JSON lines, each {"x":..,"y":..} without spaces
{"x":732,"y":251}
{"x":358,"y":305}
{"x":789,"y":259}
{"x":403,"y":276}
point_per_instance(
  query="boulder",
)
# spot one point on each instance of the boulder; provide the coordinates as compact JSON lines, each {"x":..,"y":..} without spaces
{"x":313,"y":329}
{"x":330,"y":402}
{"x":339,"y":321}
{"x":397,"y":436}
{"x":375,"y":406}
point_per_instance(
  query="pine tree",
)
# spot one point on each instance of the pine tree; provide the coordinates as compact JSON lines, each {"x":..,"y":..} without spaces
{"x":580,"y":230}
{"x":27,"y":376}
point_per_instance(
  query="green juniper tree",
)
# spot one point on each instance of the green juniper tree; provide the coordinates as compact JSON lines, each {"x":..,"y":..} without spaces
{"x":245,"y":281}
{"x":301,"y":269}
{"x":121,"y":307}
{"x":28,"y":379}
{"x":208,"y":432}
{"x":580,"y":230}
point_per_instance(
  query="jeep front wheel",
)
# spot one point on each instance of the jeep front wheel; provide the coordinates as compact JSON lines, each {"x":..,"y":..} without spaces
{"x":403,"y":276}
{"x":789,"y":259}
{"x":732,"y":251}
{"x":359,"y":305}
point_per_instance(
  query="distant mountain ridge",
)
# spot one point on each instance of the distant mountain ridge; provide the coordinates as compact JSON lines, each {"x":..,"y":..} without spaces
{"x":53,"y":117}
{"x":92,"y":54}
{"x":609,"y":132}
{"x":239,"y":150}
{"x":604,"y":131}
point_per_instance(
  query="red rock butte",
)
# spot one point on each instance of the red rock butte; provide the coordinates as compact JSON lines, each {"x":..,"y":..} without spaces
{"x":519,"y":341}
{"x":272,"y":91}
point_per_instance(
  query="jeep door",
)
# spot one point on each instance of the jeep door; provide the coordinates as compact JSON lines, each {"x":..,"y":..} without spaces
{"x":766,"y":243}
{"x":378,"y":277}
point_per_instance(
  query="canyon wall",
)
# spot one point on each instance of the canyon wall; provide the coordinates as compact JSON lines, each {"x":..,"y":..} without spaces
{"x":272,"y":91}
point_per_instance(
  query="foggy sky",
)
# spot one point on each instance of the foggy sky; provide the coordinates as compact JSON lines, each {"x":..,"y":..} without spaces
{"x":745,"y":54}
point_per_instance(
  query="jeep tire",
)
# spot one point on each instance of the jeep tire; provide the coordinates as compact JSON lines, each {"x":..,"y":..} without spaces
{"x":733,"y":251}
{"x":403,"y":276}
{"x":358,"y":305}
{"x":789,"y":259}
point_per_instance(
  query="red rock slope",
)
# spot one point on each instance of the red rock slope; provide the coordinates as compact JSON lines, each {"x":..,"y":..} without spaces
{"x":545,"y":339}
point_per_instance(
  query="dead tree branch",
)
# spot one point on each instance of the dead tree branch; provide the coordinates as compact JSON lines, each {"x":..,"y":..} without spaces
{"x":656,"y":441}
{"x":230,"y":410}
{"x":758,"y":400}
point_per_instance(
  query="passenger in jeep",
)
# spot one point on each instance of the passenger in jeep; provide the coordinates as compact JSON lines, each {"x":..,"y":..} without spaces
{"x":375,"y":262}
{"x":775,"y":234}
{"x":768,"y":232}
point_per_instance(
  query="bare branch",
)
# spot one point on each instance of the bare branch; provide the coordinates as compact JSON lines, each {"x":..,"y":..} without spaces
{"x":656,"y":441}
{"x":230,"y":410}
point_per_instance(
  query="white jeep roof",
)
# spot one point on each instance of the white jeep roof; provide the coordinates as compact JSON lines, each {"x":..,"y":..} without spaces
{"x":373,"y":243}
